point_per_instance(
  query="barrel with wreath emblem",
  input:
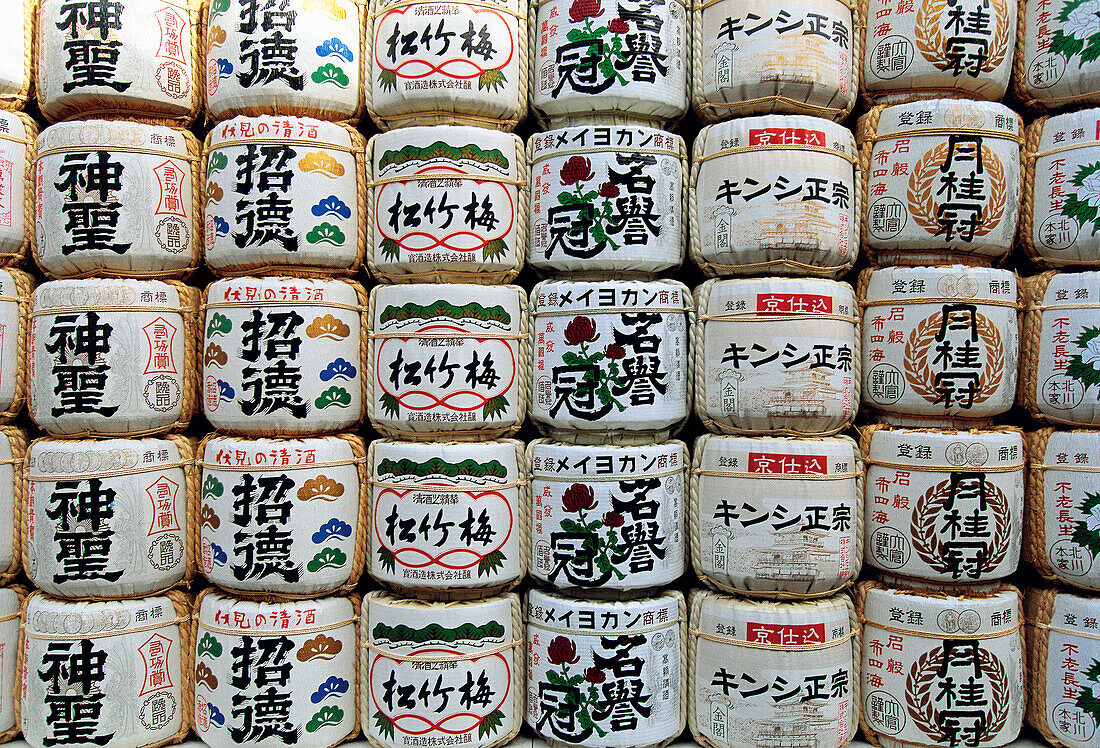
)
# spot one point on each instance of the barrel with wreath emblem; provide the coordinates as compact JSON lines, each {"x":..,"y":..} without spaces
{"x":1055,"y":63}
{"x":608,"y":199}
{"x":16,"y":292}
{"x":13,"y":449}
{"x":115,"y":673}
{"x":18,"y":140}
{"x":608,"y":520}
{"x":632,"y":61}
{"x":447,"y":203}
{"x":271,"y":673}
{"x":930,"y":48}
{"x":110,"y":519}
{"x":607,"y":674}
{"x":773,"y":674}
{"x":448,"y":672}
{"x":294,"y":57}
{"x":448,"y":361}
{"x":944,"y":506}
{"x":776,"y":356}
{"x":939,"y":344}
{"x":775,"y":517}
{"x":777,"y":194}
{"x":113,"y":357}
{"x":283,"y":517}
{"x":918,"y":647}
{"x":1063,"y":666}
{"x":116,"y":198}
{"x":11,"y":601}
{"x":284,"y":356}
{"x":448,"y":520}
{"x":941,"y":182}
{"x":448,"y":62}
{"x":17,"y":64}
{"x":284,"y":194}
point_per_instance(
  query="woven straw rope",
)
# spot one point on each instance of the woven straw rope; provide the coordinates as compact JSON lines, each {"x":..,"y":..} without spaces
{"x":17,"y":727}
{"x":24,"y":286}
{"x":30,"y":145}
{"x":17,"y":442}
{"x":17,"y":99}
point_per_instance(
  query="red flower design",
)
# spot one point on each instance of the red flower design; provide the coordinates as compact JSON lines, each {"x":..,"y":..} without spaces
{"x":618,"y":26}
{"x":576,"y":169}
{"x":614,"y":350}
{"x":609,"y":190}
{"x":580,"y":330}
{"x":578,"y":497}
{"x":594,"y":675}
{"x":562,"y":651}
{"x":582,"y":9}
{"x":613,"y":519}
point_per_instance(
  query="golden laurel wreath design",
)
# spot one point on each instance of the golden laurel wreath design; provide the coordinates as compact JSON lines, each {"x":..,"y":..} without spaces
{"x":929,"y":508}
{"x":920,"y":699}
{"x":918,"y":348}
{"x":922,"y":190}
{"x":933,"y":44}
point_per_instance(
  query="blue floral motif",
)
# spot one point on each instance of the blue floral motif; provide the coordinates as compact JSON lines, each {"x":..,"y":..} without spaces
{"x":332,"y":687}
{"x":338,"y":369}
{"x":335,"y":48}
{"x":331,"y":205}
{"x":334,"y":528}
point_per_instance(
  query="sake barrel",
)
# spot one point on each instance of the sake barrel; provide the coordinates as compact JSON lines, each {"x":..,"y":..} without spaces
{"x":1052,"y":67}
{"x":268,"y":674}
{"x":16,"y":291}
{"x":117,"y":198}
{"x":932,"y":48}
{"x":608,"y":521}
{"x":17,"y":65}
{"x":113,"y":357}
{"x":283,"y":516}
{"x":11,"y":601}
{"x":608,"y":199}
{"x":919,"y":645}
{"x":776,"y":194}
{"x":448,"y":62}
{"x":284,"y":194}
{"x":1062,"y":537}
{"x":447,"y":203}
{"x":941,"y":181}
{"x":284,"y":356}
{"x":13,"y":448}
{"x":767,"y":673}
{"x":1063,"y":666}
{"x":605,"y":673}
{"x":448,"y":361}
{"x":448,"y":520}
{"x":776,"y":356}
{"x":939,"y":344}
{"x":611,"y":360}
{"x":110,"y":519}
{"x":18,"y":139}
{"x":774,"y":517}
{"x":449,"y":670}
{"x":944,"y":506}
{"x":113,"y":673}
{"x":639,"y":69}
{"x":297,"y":57}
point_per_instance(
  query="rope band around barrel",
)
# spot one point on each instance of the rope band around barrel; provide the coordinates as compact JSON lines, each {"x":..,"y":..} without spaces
{"x":945,"y":130}
{"x":31,"y":634}
{"x":1014,"y":467}
{"x":296,"y":631}
{"x":235,"y":141}
{"x":939,"y":300}
{"x":754,"y":316}
{"x":281,"y":303}
{"x":608,"y":310}
{"x":776,"y":476}
{"x":465,"y":657}
{"x":428,"y":335}
{"x":603,"y":478}
{"x":439,"y":176}
{"x":1058,"y":630}
{"x":604,"y":632}
{"x":777,"y":147}
{"x":1067,"y":468}
{"x":825,"y":111}
{"x":90,"y":147}
{"x":773,"y":647}
{"x":308,"y":466}
{"x":383,"y":10}
{"x":590,"y":150}
{"x":59,"y":310}
{"x":43,"y":477}
{"x":435,"y":488}
{"x":941,"y":635}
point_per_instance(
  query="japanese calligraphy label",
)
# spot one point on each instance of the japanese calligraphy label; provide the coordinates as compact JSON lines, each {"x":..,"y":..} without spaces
{"x":440,"y":62}
{"x":110,"y":673}
{"x":610,"y":359}
{"x":448,"y":519}
{"x":939,"y":344}
{"x":776,"y":356}
{"x":941,"y":670}
{"x":13,"y":447}
{"x":283,"y":356}
{"x":16,"y":288}
{"x":632,"y":61}
{"x":449,"y":359}
{"x":116,"y":198}
{"x":17,"y":145}
{"x":767,"y":674}
{"x":272,"y":674}
{"x":777,"y":516}
{"x":799,"y":57}
{"x":921,"y":48}
{"x":447,"y":203}
{"x":441,"y":674}
{"x":942,"y":181}
{"x":302,"y":57}
{"x":110,"y":357}
{"x":945,"y":506}
{"x":11,"y":598}
{"x":283,"y":193}
{"x":1057,"y":42}
{"x":108,"y":519}
{"x":134,"y":56}
{"x":608,"y":519}
{"x":17,"y":38}
{"x":776,"y":194}
{"x":282,"y":516}
{"x":606,"y":674}
{"x":608,"y":199}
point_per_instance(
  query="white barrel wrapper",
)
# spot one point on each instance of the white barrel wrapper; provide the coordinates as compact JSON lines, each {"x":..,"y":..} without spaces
{"x":18,"y":140}
{"x":11,"y":599}
{"x":16,"y":36}
{"x":13,"y":449}
{"x":15,"y":300}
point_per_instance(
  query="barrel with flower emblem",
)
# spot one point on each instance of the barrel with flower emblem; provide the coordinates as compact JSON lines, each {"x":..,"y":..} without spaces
{"x":582,"y":651}
{"x":1054,"y":65}
{"x":11,"y":601}
{"x":18,"y":140}
{"x":17,"y":64}
{"x":300,"y":659}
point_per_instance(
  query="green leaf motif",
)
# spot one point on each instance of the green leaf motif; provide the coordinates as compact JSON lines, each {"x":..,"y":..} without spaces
{"x":491,"y":80}
{"x":336,"y":397}
{"x":330,"y":73}
{"x":490,"y":563}
{"x":325,"y":717}
{"x":388,"y":80}
{"x":494,"y":407}
{"x":219,"y":324}
{"x":216,"y":163}
{"x":327,"y":233}
{"x":383,"y":724}
{"x":390,"y":249}
{"x":1082,"y":535}
{"x":391,"y":406}
{"x":327,"y":558}
{"x":209,"y":647}
{"x":212,"y":487}
{"x":387,"y":559}
{"x":493,"y":249}
{"x":217,"y":7}
{"x":490,"y":724}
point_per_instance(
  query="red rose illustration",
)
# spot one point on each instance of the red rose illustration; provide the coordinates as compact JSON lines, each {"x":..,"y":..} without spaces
{"x":609,"y":190}
{"x":582,"y":9}
{"x":613,"y":519}
{"x":576,"y":169}
{"x":618,"y":26}
{"x":594,"y":675}
{"x":580,"y":330}
{"x":562,"y":651}
{"x":614,"y":350}
{"x":578,"y":497}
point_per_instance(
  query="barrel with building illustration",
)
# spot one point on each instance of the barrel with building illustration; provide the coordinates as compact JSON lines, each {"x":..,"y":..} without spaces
{"x":17,"y":66}
{"x":1054,"y":65}
{"x":18,"y":141}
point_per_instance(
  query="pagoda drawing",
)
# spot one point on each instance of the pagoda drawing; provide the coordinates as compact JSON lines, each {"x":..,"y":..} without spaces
{"x":804,"y":393}
{"x":795,"y":227}
{"x":801,"y":725}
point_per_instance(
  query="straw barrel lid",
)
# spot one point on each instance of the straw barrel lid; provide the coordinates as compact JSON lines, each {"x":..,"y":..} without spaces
{"x":11,"y":601}
{"x":766,"y":671}
{"x":909,"y":314}
{"x":1052,"y":68}
{"x":18,"y":135}
{"x":473,"y":650}
{"x":109,"y":519}
{"x":284,"y":517}
{"x":16,"y":67}
{"x":13,"y":448}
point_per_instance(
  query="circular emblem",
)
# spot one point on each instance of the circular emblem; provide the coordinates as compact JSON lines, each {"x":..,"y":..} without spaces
{"x":162,"y":393}
{"x":925,"y":191}
{"x":173,"y":79}
{"x":927,"y":522}
{"x":1063,"y":392}
{"x":158,"y":710}
{"x":919,"y":355}
{"x":173,"y":234}
{"x":925,"y":708}
{"x":166,"y":552}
